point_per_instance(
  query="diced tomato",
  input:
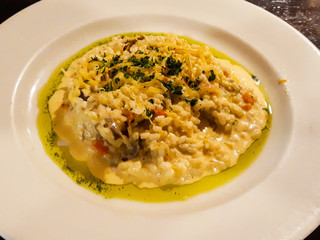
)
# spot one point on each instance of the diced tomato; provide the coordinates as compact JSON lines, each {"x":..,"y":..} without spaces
{"x":247,"y":107}
{"x":98,"y":144}
{"x":165,"y":79}
{"x":248,"y":98}
{"x":130,"y":116}
{"x":64,"y":106}
{"x":160,"y":112}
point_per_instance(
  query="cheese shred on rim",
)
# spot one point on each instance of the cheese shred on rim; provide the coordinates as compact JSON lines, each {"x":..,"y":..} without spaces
{"x":155,"y":110}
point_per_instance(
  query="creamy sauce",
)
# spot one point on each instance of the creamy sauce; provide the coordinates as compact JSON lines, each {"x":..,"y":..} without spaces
{"x":79,"y":172}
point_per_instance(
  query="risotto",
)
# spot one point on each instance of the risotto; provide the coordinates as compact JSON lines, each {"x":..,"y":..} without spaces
{"x":155,"y":110}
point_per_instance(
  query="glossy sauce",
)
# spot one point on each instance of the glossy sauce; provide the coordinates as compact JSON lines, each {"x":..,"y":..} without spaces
{"x":80,"y":174}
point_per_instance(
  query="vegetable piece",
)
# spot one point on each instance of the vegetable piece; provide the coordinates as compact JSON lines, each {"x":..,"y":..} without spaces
{"x":212,"y":76}
{"x":107,"y":88}
{"x":138,"y":75}
{"x":141,"y":62}
{"x":173,"y":89}
{"x":130,"y":116}
{"x":149,"y":112}
{"x":178,"y":90}
{"x":129,"y":43}
{"x":191,"y":101}
{"x":114,"y":128}
{"x":154,"y":48}
{"x":248,"y":98}
{"x":130,"y":152}
{"x":247,"y":107}
{"x":113,"y":72}
{"x":255,"y":78}
{"x":99,"y":146}
{"x":194,"y":84}
{"x":173,"y":67}
{"x":160,"y":112}
{"x":267,"y":110}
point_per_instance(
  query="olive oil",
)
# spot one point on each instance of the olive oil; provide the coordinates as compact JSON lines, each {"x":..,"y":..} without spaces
{"x":81,"y":175}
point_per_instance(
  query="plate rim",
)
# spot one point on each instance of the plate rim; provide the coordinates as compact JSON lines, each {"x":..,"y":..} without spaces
{"x":42,"y":4}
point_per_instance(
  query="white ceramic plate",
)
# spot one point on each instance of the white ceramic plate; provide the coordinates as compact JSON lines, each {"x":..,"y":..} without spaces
{"x":278,"y":197}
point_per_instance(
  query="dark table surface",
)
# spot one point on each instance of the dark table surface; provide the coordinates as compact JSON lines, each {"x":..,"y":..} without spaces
{"x":304,"y":15}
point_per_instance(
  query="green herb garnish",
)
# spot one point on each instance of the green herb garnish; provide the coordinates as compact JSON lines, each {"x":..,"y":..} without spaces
{"x":141,"y":62}
{"x":191,"y":101}
{"x":212,"y":76}
{"x":267,"y":110}
{"x":154,"y":48}
{"x":255,"y":78}
{"x":113,"y":72}
{"x":178,"y":90}
{"x":138,"y":75}
{"x":107,"y":88}
{"x":93,"y":59}
{"x":160,"y":58}
{"x":173,"y":66}
{"x":148,"y":78}
{"x":149,"y":112}
{"x":173,"y":89}
{"x":123,"y":69}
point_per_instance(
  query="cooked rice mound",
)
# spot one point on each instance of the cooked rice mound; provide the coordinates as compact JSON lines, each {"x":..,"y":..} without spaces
{"x":154,"y":110}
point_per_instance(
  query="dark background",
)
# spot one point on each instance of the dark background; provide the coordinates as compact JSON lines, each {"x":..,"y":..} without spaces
{"x":304,"y":15}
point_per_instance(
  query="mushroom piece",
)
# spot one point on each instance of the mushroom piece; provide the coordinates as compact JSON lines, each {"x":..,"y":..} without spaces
{"x":114,"y":128}
{"x":130,"y":43}
{"x":128,"y":150}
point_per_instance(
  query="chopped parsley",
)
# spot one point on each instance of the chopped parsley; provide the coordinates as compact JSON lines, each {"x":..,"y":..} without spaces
{"x":138,"y":75}
{"x":154,"y":48}
{"x":117,"y":80}
{"x":123,"y":69}
{"x":173,"y":67}
{"x":93,"y":59}
{"x":267,"y":110}
{"x":255,"y":78}
{"x":178,"y":90}
{"x":169,"y":86}
{"x":113,"y":72}
{"x":115,"y":60}
{"x":141,"y":62}
{"x":151,"y":100}
{"x":107,"y":88}
{"x":212,"y":76}
{"x":85,"y":81}
{"x":194,"y":84}
{"x":191,"y":101}
{"x":160,"y":58}
{"x":102,"y":66}
{"x":148,"y":78}
{"x":149,"y":112}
